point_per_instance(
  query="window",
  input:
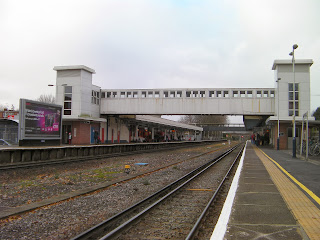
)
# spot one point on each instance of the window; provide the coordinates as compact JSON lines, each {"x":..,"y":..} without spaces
{"x":67,"y":97}
{"x":293,"y":99}
{"x":188,"y":93}
{"x":114,"y":94}
{"x":249,"y":94}
{"x":135,"y":94}
{"x":242,"y":93}
{"x":67,"y":105}
{"x":265,"y":94}
{"x":67,"y":89}
{"x":194,"y":94}
{"x":122,"y":94}
{"x":179,"y":94}
{"x":150,"y":94}
{"x":259,"y":94}
{"x":129,"y":94}
{"x":271,"y":93}
{"x":95,"y":97}
{"x":235,"y":93}
{"x":225,"y":94}
{"x":103,"y":95}
{"x":172,"y":94}
{"x":202,"y":94}
{"x":211,"y":94}
{"x":157,"y":94}
{"x":219,"y":94}
{"x":143,"y":94}
{"x":67,"y":100}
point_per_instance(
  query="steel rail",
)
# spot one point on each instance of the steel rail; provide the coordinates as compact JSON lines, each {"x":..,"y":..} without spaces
{"x":204,"y":212}
{"x":172,"y":188}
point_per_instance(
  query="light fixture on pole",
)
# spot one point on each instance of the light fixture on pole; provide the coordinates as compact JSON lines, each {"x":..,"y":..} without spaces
{"x":295,"y":46}
{"x":278,"y":139}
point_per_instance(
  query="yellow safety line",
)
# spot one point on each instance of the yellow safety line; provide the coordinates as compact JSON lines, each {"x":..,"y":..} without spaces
{"x":304,"y":210}
{"x":311,"y":194}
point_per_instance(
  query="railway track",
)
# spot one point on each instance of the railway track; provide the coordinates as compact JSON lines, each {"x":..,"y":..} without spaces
{"x":92,"y":189}
{"x":174,"y":212}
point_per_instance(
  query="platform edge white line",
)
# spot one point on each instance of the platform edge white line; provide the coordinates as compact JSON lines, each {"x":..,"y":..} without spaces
{"x":221,"y":226}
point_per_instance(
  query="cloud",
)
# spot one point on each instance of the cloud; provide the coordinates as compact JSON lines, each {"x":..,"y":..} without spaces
{"x":153,"y":44}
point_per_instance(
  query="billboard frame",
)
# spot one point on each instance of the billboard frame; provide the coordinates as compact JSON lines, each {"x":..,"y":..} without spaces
{"x":38,"y":134}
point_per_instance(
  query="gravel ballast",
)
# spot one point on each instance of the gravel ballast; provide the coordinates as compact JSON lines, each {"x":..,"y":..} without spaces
{"x":67,"y":219}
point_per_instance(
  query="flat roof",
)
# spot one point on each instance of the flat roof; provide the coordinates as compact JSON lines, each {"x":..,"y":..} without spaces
{"x":289,"y":62}
{"x":166,"y":122}
{"x":74,"y":67}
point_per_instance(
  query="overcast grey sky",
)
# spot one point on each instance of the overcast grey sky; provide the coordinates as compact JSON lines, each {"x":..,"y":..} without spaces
{"x":154,"y":43}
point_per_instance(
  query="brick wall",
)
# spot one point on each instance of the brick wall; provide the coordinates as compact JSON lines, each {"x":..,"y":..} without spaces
{"x":284,"y":138}
{"x":82,"y":133}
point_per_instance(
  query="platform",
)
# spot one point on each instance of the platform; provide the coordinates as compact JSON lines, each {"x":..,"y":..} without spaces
{"x":276,"y":198}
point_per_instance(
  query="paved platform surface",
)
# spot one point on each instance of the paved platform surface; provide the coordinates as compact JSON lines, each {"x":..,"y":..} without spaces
{"x":276,"y":197}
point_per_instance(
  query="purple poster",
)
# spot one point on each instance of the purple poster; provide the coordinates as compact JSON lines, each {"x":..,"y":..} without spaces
{"x":42,"y":119}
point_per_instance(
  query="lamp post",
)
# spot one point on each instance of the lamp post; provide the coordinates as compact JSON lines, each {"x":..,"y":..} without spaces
{"x":295,"y":46}
{"x":278,"y":139}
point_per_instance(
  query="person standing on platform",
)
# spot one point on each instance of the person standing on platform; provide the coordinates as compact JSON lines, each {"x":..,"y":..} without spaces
{"x":69,"y":137}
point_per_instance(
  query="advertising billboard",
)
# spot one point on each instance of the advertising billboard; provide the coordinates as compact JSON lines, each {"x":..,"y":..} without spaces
{"x":39,"y":120}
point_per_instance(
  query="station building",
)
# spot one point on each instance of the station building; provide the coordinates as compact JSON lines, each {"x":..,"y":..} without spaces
{"x":132,"y":115}
{"x":81,"y":101}
{"x":289,"y":99}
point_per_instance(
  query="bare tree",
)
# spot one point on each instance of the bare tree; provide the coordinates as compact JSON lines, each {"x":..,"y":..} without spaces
{"x":46,"y":98}
{"x":3,"y":106}
{"x":204,"y":119}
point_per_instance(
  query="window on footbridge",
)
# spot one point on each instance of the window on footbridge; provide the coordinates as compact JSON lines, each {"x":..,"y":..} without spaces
{"x":202,"y":94}
{"x":122,"y":95}
{"x":172,"y":94}
{"x":129,"y":94}
{"x":265,"y":94}
{"x":259,"y":94}
{"x":271,"y":93}
{"x":226,"y":94}
{"x":219,"y":94}
{"x":135,"y":94}
{"x":211,"y":94}
{"x":114,"y":94}
{"x":150,"y":94}
{"x":157,"y":94}
{"x":235,"y":94}
{"x":242,"y":93}
{"x":165,"y":94}
{"x":143,"y":94}
{"x":194,"y":94}
{"x":249,"y":94}
{"x":188,"y":93}
{"x":179,"y":94}
{"x":108,"y":95}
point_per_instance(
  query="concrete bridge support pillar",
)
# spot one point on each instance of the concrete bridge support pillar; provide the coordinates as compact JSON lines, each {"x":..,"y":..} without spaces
{"x":137,"y":133}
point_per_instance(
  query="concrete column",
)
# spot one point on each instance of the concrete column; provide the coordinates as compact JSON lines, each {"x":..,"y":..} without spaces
{"x":136,"y":132}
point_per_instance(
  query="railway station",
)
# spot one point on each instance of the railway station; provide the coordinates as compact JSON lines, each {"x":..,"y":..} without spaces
{"x":264,"y":191}
{"x":115,"y":113}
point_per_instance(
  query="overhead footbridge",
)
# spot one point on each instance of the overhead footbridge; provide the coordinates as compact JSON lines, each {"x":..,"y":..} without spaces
{"x":226,"y":101}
